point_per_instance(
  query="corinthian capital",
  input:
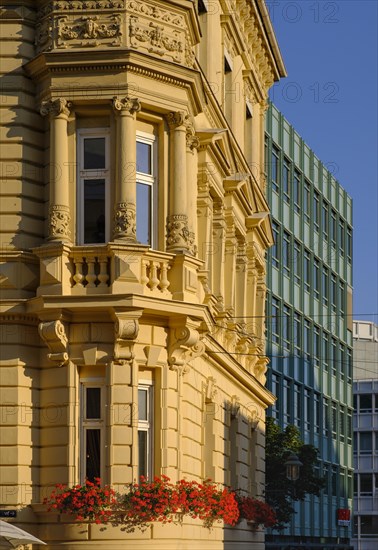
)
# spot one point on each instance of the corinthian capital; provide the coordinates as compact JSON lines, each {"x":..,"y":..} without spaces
{"x":129,"y":104}
{"x":176,"y":119}
{"x":55,"y":107}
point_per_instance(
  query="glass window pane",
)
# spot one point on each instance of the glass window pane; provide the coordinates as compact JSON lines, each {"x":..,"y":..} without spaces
{"x":143,"y":213}
{"x":144,"y":164}
{"x":93,"y":456}
{"x":142,"y":448}
{"x":94,"y":153}
{"x":366,"y":484}
{"x":366,"y":402}
{"x":93,"y":403}
{"x":94,"y":211}
{"x":142,"y":405}
{"x":365,"y":442}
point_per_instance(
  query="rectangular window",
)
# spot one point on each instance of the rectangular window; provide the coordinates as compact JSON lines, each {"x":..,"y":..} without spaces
{"x":325,"y":291}
{"x":286,"y":400}
{"x":366,"y":484}
{"x":334,"y":356}
{"x":349,"y":244}
{"x":306,"y":200}
{"x":342,"y":423}
{"x":342,"y":297}
{"x":325,"y":417}
{"x":297,"y":262}
{"x":297,"y":405}
{"x":286,"y":252}
{"x":307,"y":409}
{"x":341,"y":237}
{"x":333,"y":293}
{"x":325,"y":220}
{"x":316,"y":210}
{"x":334,"y":420}
{"x":325,"y":345}
{"x":366,"y":402}
{"x":297,"y":334}
{"x":145,"y":433}
{"x":275,"y":160}
{"x":317,"y":412}
{"x":275,"y":320}
{"x":366,"y":442}
{"x":286,"y":180}
{"x":316,"y":278}
{"x":369,"y":526}
{"x":297,"y":191}
{"x":307,"y":270}
{"x":276,"y":246}
{"x":93,"y":186}
{"x":92,"y":436}
{"x":333,"y":228}
{"x":146,"y":198}
{"x":342,"y":362}
{"x":316,"y":346}
{"x":286,"y":326}
{"x":307,"y":340}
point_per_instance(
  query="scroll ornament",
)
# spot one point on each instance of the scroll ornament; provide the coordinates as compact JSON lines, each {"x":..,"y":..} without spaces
{"x":53,"y":333}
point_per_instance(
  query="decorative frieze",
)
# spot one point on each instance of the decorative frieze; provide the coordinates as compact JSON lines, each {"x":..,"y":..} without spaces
{"x":139,"y":25}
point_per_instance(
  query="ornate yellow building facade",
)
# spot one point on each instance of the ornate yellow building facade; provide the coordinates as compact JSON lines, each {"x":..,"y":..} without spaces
{"x":134,"y":228}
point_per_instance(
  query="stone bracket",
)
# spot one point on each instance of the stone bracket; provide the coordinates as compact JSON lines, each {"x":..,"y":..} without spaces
{"x":184,"y":344}
{"x":53,"y":333}
{"x":126,"y":326}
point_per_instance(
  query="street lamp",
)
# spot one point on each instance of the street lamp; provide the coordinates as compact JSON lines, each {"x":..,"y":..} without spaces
{"x":293,"y":466}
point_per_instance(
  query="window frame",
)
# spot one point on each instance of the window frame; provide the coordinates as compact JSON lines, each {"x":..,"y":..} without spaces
{"x":148,"y":427}
{"x":150,"y":180}
{"x":83,"y":174}
{"x":92,"y":423}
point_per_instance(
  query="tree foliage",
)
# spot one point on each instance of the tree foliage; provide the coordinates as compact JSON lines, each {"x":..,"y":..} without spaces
{"x":281,"y":492}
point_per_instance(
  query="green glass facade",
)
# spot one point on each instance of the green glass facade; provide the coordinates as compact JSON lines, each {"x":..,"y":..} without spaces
{"x":309,"y":325}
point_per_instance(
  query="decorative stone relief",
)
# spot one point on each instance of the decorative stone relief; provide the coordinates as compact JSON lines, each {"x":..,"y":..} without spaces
{"x":53,"y":333}
{"x":210,"y":389}
{"x":55,"y":107}
{"x":59,"y":222}
{"x":178,"y":234}
{"x":125,"y":221}
{"x":89,"y":31}
{"x":156,"y":39}
{"x":176,"y":119}
{"x":126,"y":328}
{"x":131,"y":104}
{"x":185,"y":345}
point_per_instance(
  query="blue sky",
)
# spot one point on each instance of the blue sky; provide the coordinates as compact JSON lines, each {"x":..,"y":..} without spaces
{"x":330,"y":96}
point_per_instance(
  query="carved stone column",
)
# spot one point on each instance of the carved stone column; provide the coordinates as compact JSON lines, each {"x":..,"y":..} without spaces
{"x":178,"y":238}
{"x":192,"y":144}
{"x":59,"y":211}
{"x":125,"y":208}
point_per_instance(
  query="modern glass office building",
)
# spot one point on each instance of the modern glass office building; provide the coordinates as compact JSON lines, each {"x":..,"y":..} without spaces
{"x":365,"y":423}
{"x":309,"y":339}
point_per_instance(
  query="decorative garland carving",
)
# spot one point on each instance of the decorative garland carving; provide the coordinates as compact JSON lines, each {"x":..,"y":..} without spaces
{"x":125,"y":221}
{"x":59,"y":222}
{"x":53,"y":333}
{"x":159,"y":41}
{"x":185,"y":345}
{"x":89,"y":30}
{"x":144,"y":9}
{"x":55,"y":107}
{"x":130,"y":104}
